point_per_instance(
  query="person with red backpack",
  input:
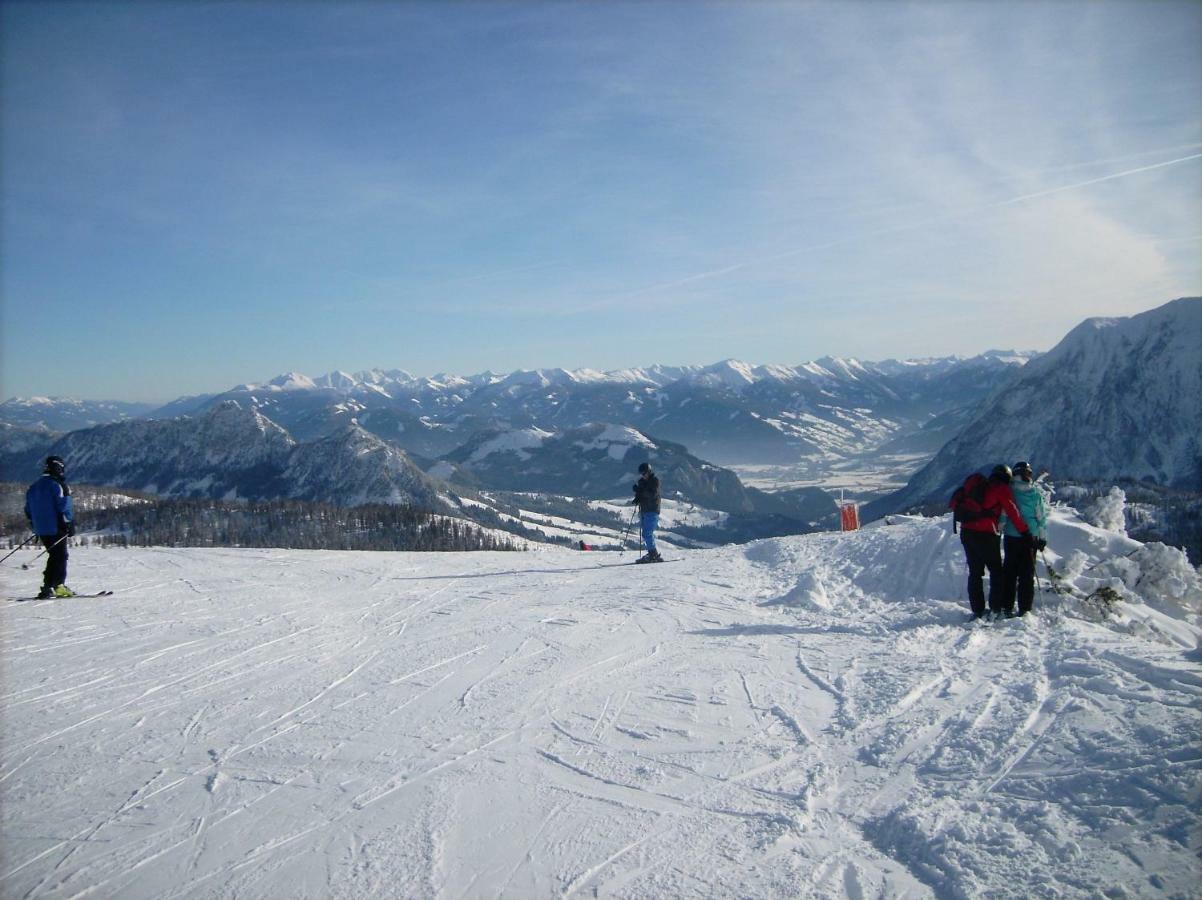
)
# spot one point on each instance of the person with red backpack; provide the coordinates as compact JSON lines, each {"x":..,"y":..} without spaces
{"x":977,"y":508}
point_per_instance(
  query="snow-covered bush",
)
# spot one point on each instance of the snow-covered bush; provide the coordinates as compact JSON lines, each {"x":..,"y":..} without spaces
{"x":1107,"y":511}
{"x":1165,"y":579}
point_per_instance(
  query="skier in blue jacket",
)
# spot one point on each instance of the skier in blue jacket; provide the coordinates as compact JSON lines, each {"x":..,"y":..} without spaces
{"x":52,"y":518}
{"x":1018,"y":570}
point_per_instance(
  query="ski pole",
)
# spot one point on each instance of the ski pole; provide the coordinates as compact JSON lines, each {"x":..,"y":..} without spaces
{"x":626,"y":530}
{"x":19,"y":546}
{"x":1051,"y":580}
{"x":1043,"y":598}
{"x":26,"y":565}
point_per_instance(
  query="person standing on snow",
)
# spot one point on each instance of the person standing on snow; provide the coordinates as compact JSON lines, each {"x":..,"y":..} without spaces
{"x":1018,"y":568}
{"x":982,"y":541}
{"x":646,"y":495}
{"x":52,"y":518}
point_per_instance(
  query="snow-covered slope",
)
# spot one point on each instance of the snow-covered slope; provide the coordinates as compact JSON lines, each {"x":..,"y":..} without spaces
{"x":799,"y":717}
{"x":1116,"y":399}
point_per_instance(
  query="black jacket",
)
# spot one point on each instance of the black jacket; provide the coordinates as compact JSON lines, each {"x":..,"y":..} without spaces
{"x":646,"y":493}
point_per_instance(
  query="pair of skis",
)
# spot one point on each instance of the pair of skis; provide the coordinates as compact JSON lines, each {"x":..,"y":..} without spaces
{"x":72,"y":597}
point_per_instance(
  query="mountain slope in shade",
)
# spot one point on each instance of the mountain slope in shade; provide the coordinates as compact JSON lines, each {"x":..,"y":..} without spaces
{"x":597,"y":461}
{"x":235,"y":453}
{"x":1117,"y":399}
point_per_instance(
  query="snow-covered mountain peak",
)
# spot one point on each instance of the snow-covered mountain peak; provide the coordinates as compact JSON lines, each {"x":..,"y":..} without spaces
{"x":442,"y":381}
{"x":588,"y":376}
{"x":1011,"y":357}
{"x":629,"y":376}
{"x":338,"y":380}
{"x":731,"y":373}
{"x":538,"y":378}
{"x":849,"y":367}
{"x":292,"y":381}
{"x":231,"y":425}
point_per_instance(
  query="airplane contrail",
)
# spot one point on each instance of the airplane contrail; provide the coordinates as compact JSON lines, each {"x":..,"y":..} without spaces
{"x":1111,"y":177}
{"x":895,"y":229}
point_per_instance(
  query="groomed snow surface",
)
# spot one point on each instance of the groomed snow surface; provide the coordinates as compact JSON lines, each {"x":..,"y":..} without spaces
{"x":809,"y":716}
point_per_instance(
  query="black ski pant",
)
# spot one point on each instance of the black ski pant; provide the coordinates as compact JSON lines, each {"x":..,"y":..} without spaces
{"x":983,"y":550}
{"x":56,"y":559}
{"x":1018,"y":575}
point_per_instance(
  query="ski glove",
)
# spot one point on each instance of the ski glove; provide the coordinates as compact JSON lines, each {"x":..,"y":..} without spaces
{"x":1041,"y":544}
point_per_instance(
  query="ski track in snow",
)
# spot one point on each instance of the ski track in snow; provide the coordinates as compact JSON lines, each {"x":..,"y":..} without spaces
{"x":798,"y":717}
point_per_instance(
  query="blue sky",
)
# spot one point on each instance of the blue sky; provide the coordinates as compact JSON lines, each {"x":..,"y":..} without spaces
{"x":197,"y":195}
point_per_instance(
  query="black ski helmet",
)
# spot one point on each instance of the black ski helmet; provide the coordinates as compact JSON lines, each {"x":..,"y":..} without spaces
{"x":55,"y":466}
{"x":1002,"y":473}
{"x":644,"y":468}
{"x":1022,"y":467}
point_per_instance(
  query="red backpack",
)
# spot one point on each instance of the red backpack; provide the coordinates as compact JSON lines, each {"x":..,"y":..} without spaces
{"x":968,"y":502}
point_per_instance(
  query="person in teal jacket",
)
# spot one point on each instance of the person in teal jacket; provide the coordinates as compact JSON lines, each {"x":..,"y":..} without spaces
{"x":1018,"y":569}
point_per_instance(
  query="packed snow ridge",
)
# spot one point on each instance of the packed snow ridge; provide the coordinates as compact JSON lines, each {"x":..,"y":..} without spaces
{"x":805,"y":716}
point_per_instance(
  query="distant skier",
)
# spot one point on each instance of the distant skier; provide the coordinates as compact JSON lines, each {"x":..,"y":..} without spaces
{"x":646,"y":495}
{"x":51,"y":516}
{"x":978,"y":510}
{"x":1018,"y":568}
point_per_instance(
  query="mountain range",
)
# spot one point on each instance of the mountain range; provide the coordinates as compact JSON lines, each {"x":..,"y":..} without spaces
{"x":728,"y":413}
{"x":1116,"y":399}
{"x":577,"y":433}
{"x":230,"y":452}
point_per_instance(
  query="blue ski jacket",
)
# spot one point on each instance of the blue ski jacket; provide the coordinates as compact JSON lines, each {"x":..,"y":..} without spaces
{"x":1029,"y":499}
{"x":48,"y":506}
